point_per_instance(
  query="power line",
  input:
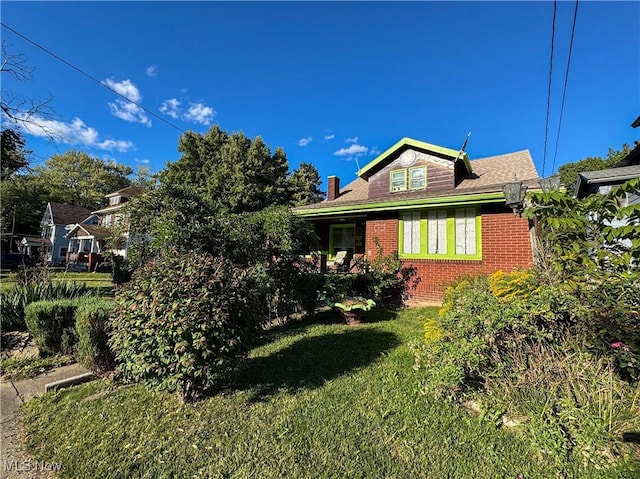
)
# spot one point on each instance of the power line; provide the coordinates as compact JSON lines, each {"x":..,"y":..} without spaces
{"x":92,"y":78}
{"x":546,"y":127}
{"x":566,"y":80}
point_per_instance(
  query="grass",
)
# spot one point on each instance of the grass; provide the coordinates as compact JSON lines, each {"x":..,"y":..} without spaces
{"x":29,"y":367}
{"x":98,"y":281}
{"x":315,"y":400}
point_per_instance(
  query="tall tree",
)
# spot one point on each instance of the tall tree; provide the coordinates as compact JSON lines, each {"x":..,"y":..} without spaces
{"x":77,"y":178}
{"x":304,"y":184}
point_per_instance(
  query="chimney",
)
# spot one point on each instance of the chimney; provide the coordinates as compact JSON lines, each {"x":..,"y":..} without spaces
{"x":334,"y":188}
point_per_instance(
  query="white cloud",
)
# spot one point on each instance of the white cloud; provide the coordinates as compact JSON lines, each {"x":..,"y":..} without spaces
{"x":142,"y":161}
{"x":152,"y":71}
{"x":352,"y":140}
{"x":374,"y":151}
{"x":329,"y":137}
{"x":74,"y":133}
{"x":125,"y":88}
{"x":305,"y":141}
{"x":352,"y":150}
{"x":127,"y":110}
{"x":199,"y":113}
{"x":195,"y":113}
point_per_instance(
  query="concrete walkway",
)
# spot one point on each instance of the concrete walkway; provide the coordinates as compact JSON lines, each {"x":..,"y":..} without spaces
{"x":16,"y":463}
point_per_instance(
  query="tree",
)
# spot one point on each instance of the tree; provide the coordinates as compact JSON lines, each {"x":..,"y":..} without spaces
{"x":232,"y":172}
{"x":569,"y":171}
{"x":304,"y":185}
{"x":14,"y":153}
{"x":77,"y":178}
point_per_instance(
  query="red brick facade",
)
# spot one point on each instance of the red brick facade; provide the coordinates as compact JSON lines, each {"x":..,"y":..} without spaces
{"x":506,"y":245}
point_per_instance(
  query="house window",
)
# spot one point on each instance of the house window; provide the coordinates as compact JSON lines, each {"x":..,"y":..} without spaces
{"x":446,"y":234}
{"x":63,"y":252}
{"x":114,"y":200}
{"x":342,"y":238}
{"x":411,"y":233}
{"x":398,"y":180}
{"x":418,"y":178}
{"x":437,"y":232}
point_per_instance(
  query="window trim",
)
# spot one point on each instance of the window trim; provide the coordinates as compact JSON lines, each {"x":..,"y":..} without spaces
{"x":405,"y":174}
{"x":451,"y":236}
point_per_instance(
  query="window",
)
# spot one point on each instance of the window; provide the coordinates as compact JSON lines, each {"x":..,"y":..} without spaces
{"x":342,"y":238}
{"x":418,"y":178}
{"x":63,"y":252}
{"x":466,"y":231}
{"x":411,"y":233}
{"x":441,"y":234}
{"x":114,"y":200}
{"x":437,"y":232}
{"x":398,"y":179}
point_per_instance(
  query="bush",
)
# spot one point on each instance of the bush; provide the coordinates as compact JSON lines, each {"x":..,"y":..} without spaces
{"x":183,"y":322}
{"x":34,"y":284}
{"x":51,"y":325}
{"x":92,"y":328}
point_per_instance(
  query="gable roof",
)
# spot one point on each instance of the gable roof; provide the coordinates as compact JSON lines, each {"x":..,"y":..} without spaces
{"x":488,"y":177}
{"x":90,"y":230}
{"x":67,"y":214}
{"x":404,"y":143}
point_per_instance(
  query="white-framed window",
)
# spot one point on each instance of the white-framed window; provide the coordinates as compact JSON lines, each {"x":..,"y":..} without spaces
{"x":418,"y":178}
{"x":398,"y":180}
{"x":114,"y":200}
{"x":466,"y":231}
{"x":437,"y":232}
{"x":411,"y":233}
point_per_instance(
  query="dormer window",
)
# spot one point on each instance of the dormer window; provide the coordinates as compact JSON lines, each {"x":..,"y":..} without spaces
{"x":398,"y":180}
{"x":418,"y":178}
{"x":408,"y":179}
{"x":114,"y":200}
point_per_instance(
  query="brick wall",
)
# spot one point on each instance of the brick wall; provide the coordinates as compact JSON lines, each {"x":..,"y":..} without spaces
{"x":506,"y":245}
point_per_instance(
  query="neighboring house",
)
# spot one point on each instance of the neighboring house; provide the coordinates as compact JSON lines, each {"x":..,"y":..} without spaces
{"x":88,"y":244}
{"x":57,"y":220}
{"x":445,"y":215}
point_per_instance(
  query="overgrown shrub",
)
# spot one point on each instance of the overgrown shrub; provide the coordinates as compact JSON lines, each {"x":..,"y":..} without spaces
{"x":34,"y":284}
{"x":92,"y":328}
{"x":183,"y":322}
{"x":51,"y":324}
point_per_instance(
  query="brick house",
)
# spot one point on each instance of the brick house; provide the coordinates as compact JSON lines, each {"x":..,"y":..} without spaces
{"x":444,"y":214}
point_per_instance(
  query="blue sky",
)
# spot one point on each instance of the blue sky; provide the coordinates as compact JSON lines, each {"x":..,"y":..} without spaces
{"x":332,"y":83}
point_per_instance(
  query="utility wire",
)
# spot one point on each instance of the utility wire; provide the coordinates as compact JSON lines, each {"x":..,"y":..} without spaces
{"x":546,"y":127}
{"x":564,"y":91}
{"x":153,"y":114}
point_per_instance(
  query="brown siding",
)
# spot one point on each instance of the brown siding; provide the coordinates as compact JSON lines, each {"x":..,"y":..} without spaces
{"x":439,"y":178}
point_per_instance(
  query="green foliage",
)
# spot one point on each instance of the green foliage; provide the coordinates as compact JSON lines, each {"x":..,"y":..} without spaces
{"x":92,"y":328}
{"x":51,"y":325}
{"x":569,"y":171}
{"x":304,"y":184}
{"x":184,"y":322}
{"x":34,"y":284}
{"x":14,"y":153}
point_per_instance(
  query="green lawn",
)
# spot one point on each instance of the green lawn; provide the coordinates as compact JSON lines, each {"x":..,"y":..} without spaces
{"x":316,"y":400}
{"x":101,"y":281}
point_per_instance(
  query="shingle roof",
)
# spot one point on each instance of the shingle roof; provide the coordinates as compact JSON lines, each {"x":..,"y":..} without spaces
{"x":128,"y":191}
{"x":96,"y":231}
{"x":68,"y":214}
{"x":625,"y":172}
{"x":489,"y":174}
